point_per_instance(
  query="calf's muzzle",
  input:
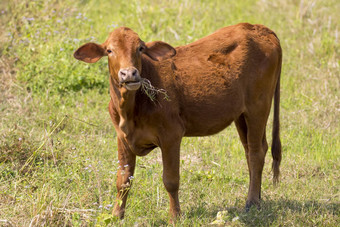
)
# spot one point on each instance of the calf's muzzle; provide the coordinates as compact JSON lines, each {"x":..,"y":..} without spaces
{"x":129,"y":78}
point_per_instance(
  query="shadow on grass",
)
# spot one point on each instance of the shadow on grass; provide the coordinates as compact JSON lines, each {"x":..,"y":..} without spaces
{"x":201,"y":211}
{"x":272,"y":212}
{"x":306,"y":213}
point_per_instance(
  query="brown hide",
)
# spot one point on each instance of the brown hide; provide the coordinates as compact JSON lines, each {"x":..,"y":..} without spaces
{"x":228,"y":76}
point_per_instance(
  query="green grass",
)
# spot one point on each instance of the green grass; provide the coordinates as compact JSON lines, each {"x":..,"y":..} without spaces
{"x":58,"y":152}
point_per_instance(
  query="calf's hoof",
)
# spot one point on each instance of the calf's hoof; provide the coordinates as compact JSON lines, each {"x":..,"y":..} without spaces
{"x":118,"y":212}
{"x":174,"y":216}
{"x":250,"y":204}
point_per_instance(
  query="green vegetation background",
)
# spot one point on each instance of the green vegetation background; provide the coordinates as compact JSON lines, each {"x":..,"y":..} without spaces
{"x":57,"y":144}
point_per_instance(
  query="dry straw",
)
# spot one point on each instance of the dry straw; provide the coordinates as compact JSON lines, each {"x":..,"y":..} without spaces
{"x":152,"y":91}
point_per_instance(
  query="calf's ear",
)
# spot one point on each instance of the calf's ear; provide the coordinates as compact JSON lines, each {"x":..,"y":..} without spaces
{"x":159,"y":50}
{"x":90,"y":52}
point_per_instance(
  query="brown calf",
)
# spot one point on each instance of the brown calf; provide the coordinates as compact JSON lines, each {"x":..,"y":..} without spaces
{"x":229,"y":76}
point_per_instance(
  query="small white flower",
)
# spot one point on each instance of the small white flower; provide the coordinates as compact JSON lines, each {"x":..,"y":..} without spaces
{"x":236,"y":218}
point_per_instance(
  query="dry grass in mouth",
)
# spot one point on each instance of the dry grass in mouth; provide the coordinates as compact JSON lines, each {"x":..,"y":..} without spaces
{"x":152,"y":91}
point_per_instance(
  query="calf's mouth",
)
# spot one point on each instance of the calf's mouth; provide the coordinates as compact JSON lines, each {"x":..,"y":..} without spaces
{"x":131,"y":85}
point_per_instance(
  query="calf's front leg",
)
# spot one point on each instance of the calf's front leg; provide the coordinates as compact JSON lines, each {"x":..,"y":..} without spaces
{"x":171,"y":160}
{"x":127,"y":162}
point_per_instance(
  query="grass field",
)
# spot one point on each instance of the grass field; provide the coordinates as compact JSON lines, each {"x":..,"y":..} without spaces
{"x":58,"y":152}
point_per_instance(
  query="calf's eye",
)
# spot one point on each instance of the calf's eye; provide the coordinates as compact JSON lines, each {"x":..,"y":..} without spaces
{"x":141,"y":48}
{"x":109,"y":51}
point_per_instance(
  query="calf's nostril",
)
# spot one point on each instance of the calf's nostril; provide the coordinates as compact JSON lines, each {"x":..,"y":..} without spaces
{"x":128,"y":73}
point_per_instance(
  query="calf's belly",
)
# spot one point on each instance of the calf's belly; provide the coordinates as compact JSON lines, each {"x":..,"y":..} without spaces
{"x":211,"y":118}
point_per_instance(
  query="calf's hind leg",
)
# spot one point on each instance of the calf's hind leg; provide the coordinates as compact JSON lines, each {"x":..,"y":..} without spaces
{"x":241,"y":127}
{"x":257,"y":148}
{"x":242,"y":130}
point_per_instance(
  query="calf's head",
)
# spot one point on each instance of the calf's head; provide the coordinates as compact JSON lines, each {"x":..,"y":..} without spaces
{"x":125,"y":49}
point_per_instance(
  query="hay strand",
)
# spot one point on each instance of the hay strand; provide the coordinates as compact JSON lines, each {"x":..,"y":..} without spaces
{"x":152,"y":91}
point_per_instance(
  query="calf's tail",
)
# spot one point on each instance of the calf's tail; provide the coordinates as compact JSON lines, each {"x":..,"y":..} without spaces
{"x":276,"y":144}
